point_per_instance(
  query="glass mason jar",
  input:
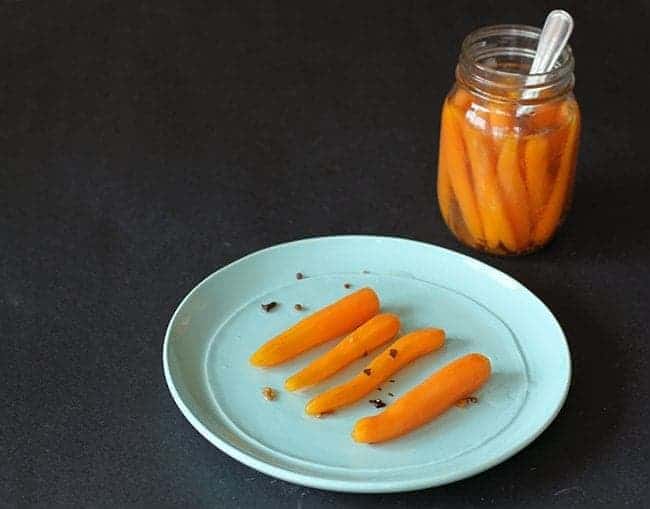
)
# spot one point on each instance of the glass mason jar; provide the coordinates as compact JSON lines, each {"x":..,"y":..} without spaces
{"x":508,"y":143}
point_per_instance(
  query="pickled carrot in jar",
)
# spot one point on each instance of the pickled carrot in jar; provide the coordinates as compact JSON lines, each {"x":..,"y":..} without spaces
{"x":513,"y":188}
{"x":482,"y":158}
{"x":560,"y":195}
{"x":453,"y":164}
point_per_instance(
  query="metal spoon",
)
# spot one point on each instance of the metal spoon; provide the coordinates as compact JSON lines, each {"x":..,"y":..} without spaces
{"x":555,"y":34}
{"x":554,"y":37}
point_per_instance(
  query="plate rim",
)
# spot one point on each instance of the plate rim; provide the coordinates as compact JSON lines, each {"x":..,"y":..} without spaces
{"x":314,"y":481}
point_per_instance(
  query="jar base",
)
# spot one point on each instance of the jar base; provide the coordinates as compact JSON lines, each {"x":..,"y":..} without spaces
{"x":500,"y":250}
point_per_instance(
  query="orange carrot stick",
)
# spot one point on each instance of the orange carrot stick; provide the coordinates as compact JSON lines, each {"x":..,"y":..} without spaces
{"x":495,"y":222}
{"x":538,"y":179}
{"x":403,"y":351}
{"x":330,"y":322}
{"x":458,"y":226}
{"x":544,"y":116}
{"x":435,"y":395}
{"x":514,"y":190}
{"x":461,"y":99}
{"x":559,"y":197}
{"x":453,"y":161}
{"x":375,"y":332}
{"x":502,"y":120}
{"x":445,"y":192}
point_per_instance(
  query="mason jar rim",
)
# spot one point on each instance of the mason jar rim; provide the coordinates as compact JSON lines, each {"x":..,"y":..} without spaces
{"x":510,"y":40}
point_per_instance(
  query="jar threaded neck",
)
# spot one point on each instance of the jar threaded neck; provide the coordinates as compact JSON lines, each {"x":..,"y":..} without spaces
{"x":494,"y":62}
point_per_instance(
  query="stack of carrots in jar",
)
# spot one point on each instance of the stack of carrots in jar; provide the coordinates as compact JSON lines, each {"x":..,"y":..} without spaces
{"x":504,"y":178}
{"x":358,"y":315}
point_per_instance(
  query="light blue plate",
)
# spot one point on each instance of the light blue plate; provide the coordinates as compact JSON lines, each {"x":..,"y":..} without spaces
{"x":220,"y":323}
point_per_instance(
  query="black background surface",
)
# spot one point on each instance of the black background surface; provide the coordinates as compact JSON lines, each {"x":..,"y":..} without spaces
{"x":146,"y":144}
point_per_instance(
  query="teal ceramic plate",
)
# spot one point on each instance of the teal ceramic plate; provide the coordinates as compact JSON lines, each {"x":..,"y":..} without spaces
{"x":220,"y":323}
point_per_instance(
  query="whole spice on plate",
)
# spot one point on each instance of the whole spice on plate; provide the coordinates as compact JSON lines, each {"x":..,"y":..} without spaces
{"x":377,"y":402}
{"x":299,"y":275}
{"x":391,"y":381}
{"x":347,"y":285}
{"x":268,"y":307}
{"x":463,"y":403}
{"x":391,"y":394}
{"x":269,"y":394}
{"x":298,"y":307}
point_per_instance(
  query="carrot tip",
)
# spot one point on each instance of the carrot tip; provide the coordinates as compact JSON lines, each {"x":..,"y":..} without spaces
{"x":259,"y":361}
{"x":312,"y":409}
{"x":358,"y":432}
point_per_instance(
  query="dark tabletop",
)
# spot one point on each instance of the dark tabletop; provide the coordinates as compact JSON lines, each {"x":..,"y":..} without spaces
{"x":146,"y":144}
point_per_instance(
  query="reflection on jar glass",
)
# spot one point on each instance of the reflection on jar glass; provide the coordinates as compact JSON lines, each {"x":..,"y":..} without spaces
{"x":508,"y":143}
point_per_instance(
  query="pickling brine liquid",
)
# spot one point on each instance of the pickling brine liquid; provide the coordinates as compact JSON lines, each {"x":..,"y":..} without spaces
{"x":506,"y":170}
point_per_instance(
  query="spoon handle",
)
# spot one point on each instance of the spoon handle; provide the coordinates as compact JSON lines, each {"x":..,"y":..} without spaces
{"x":555,"y":34}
